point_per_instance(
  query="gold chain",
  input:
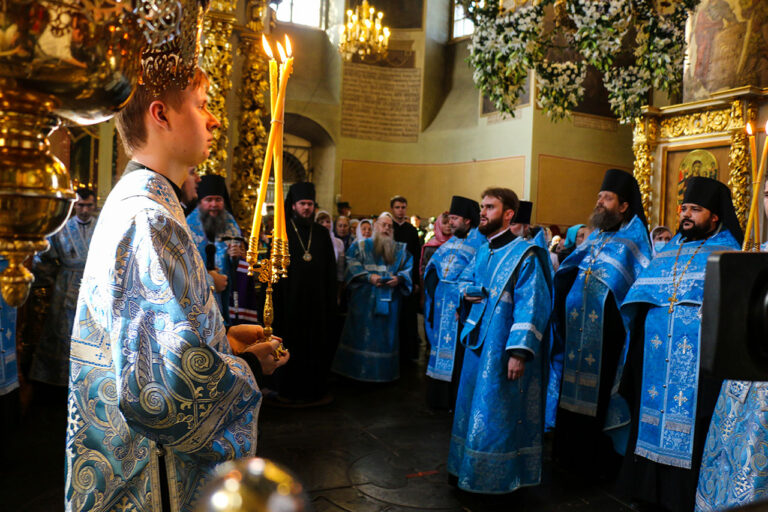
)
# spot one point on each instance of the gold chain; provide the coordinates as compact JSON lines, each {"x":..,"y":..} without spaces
{"x":594,"y":256}
{"x":453,"y":256}
{"x":675,"y":281}
{"x":307,"y":255}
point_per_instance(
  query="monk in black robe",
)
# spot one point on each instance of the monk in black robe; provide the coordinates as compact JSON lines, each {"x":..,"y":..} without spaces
{"x":305,"y":304}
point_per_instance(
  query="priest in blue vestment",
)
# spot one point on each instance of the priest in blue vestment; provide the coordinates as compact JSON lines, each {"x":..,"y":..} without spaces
{"x":156,"y":396}
{"x":63,"y":263}
{"x":442,"y":301}
{"x":378,"y":276}
{"x":214,"y":226}
{"x":734,"y":466}
{"x":589,"y":332}
{"x":498,"y":426}
{"x":521,"y":226}
{"x":671,"y":402}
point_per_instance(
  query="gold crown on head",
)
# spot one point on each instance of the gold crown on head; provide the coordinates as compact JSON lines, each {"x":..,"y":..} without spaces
{"x":173,"y":61}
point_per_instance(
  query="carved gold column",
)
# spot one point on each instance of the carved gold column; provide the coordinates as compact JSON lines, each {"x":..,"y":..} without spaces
{"x":248,"y":157}
{"x":644,"y":138}
{"x":217,"y":63}
{"x":740,"y":176}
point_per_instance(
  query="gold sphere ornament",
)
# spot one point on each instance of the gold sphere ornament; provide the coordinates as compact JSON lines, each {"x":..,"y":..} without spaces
{"x":253,"y":485}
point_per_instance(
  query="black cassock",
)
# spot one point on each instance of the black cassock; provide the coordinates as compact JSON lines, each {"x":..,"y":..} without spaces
{"x":409,"y":329}
{"x":305,"y":312}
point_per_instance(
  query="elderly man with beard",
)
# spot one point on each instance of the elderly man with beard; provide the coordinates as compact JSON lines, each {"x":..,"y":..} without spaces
{"x":378,"y":276}
{"x":305,"y":304}
{"x":590,"y":285}
{"x":496,"y":441}
{"x":214,"y":227}
{"x":672,"y":402}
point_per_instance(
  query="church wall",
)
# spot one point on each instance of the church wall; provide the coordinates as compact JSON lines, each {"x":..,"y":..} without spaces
{"x":569,"y":159}
{"x":428,"y":187}
{"x":458,"y":138}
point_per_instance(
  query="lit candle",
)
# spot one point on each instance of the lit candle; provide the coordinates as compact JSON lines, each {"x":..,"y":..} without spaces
{"x":753,"y":151}
{"x":272,"y":74}
{"x":256,"y":226}
{"x":756,"y":193}
{"x":286,"y":68}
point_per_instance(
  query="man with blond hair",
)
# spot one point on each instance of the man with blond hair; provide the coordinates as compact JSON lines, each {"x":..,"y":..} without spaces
{"x":156,"y":396}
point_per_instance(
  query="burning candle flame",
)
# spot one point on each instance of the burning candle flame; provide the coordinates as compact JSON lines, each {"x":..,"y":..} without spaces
{"x":267,"y":48}
{"x":288,"y":47}
{"x":749,"y":129}
{"x":280,"y":50}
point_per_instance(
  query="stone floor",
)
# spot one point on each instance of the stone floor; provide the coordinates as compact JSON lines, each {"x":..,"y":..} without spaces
{"x":374,"y":448}
{"x":378,"y":448}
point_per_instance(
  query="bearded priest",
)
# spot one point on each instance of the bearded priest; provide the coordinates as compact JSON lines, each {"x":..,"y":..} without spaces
{"x":671,"y":402}
{"x":496,"y":441}
{"x":590,"y":285}
{"x":378,"y":277}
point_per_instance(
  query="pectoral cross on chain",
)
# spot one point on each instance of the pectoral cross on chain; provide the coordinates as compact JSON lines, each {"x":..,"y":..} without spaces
{"x":587,"y":273}
{"x":672,"y":301}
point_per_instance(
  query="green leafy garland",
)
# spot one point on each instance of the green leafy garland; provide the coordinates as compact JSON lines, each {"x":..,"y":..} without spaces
{"x":505,"y":46}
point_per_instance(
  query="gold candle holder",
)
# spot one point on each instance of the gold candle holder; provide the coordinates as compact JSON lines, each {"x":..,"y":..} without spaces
{"x":269,"y":270}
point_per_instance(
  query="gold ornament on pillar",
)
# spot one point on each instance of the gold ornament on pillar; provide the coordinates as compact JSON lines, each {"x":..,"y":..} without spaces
{"x":248,"y":155}
{"x":217,"y":63}
{"x":76,"y":59}
{"x":644,"y":143}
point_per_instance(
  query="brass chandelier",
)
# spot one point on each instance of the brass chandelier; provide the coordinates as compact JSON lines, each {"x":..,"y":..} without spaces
{"x":363,"y":35}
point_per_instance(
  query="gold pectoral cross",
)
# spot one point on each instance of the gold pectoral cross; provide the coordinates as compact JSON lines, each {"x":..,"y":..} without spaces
{"x":672,"y":302}
{"x":587,"y":273}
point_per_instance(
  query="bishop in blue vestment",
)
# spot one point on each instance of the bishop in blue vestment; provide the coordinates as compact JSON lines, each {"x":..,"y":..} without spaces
{"x":442,"y":300}
{"x":64,"y":261}
{"x":671,"y":402}
{"x":589,"y":333}
{"x":378,"y":276}
{"x":496,"y":440}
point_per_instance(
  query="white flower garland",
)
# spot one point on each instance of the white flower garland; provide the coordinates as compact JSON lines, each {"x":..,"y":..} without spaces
{"x":505,"y":46}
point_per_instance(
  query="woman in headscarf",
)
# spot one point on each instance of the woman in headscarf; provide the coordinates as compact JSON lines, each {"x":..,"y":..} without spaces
{"x":573,"y":238}
{"x":324,"y":219}
{"x":364,"y":229}
{"x":659,"y":238}
{"x":442,"y":234}
{"x":353,"y":231}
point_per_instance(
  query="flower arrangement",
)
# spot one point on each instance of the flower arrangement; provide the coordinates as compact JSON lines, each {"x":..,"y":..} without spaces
{"x":506,"y":45}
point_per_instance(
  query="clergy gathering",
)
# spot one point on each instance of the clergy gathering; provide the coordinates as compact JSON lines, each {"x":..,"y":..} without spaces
{"x":384,"y":255}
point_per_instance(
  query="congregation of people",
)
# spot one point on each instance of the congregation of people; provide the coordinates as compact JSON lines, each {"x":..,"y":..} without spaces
{"x":592,"y":335}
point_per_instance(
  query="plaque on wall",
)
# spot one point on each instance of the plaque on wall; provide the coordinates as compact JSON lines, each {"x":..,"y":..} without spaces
{"x":380,"y":103}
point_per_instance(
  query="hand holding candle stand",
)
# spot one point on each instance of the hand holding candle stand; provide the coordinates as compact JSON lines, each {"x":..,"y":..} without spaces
{"x":272,"y":269}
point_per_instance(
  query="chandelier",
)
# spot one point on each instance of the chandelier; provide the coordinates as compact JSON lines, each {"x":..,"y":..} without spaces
{"x":363,"y":34}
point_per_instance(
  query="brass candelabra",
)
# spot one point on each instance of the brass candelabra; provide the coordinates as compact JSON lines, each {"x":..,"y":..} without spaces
{"x":269,"y":270}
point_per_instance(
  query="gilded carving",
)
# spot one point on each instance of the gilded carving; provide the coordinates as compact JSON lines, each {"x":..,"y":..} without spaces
{"x":739,"y":177}
{"x":248,"y":157}
{"x":710,"y":121}
{"x":217,"y":63}
{"x":644,"y":137}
